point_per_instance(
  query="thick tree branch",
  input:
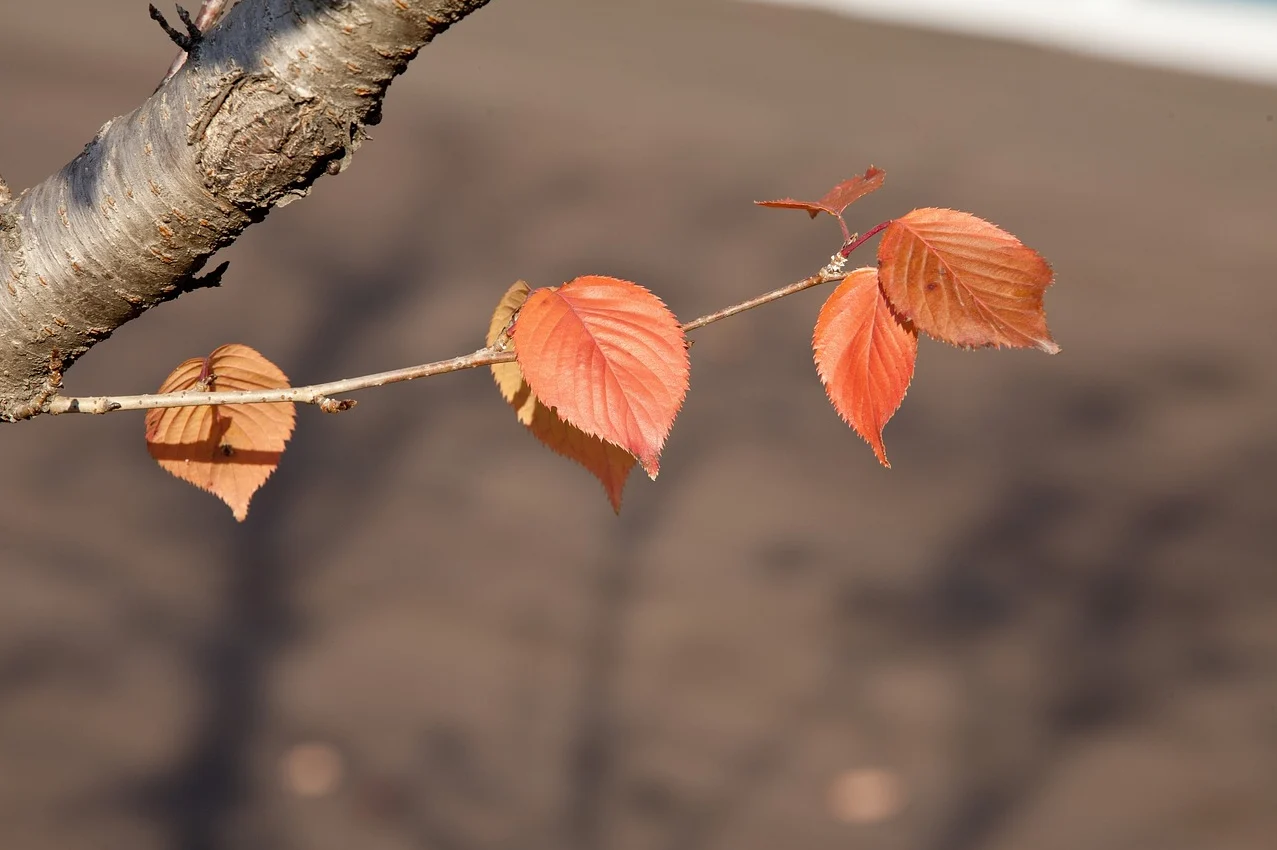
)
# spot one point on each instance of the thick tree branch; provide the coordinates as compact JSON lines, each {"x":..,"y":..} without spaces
{"x":278,"y":93}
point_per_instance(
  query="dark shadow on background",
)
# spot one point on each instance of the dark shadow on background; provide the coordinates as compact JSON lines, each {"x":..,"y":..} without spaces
{"x":1086,"y":620}
{"x":202,"y":794}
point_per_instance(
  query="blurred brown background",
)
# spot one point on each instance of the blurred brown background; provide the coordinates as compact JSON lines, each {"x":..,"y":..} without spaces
{"x":1050,"y":626}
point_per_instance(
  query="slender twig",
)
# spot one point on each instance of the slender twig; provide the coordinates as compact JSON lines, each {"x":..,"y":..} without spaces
{"x":322,"y":394}
{"x":823,"y":276}
{"x":318,"y":394}
{"x":853,"y":244}
{"x":847,"y":235}
{"x":829,"y":274}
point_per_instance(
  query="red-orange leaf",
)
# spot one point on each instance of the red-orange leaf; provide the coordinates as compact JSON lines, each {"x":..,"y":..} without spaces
{"x":836,"y":199}
{"x":865,"y":356}
{"x":965,"y":281}
{"x":608,"y":463}
{"x":228,"y":450}
{"x":610,"y":357}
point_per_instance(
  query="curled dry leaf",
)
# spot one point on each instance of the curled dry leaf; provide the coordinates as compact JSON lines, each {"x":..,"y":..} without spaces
{"x":836,"y":199}
{"x":611,"y":359}
{"x":608,"y":463}
{"x":864,"y":355}
{"x":965,"y":281}
{"x":227,"y":450}
{"x":509,"y":376}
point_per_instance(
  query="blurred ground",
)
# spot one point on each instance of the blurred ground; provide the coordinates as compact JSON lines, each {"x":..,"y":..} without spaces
{"x":1050,"y":626}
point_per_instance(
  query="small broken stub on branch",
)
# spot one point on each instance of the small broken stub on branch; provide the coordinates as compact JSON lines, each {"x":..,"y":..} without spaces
{"x":5,"y":195}
{"x":188,"y":40}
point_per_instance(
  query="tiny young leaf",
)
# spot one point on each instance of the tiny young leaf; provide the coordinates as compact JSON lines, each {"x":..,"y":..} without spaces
{"x":836,"y":199}
{"x":608,"y":463}
{"x":965,"y":281}
{"x":610,"y":357}
{"x":227,"y":450}
{"x":864,"y":355}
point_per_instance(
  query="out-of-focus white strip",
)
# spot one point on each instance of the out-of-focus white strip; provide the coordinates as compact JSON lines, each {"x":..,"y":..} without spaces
{"x":1235,"y":39}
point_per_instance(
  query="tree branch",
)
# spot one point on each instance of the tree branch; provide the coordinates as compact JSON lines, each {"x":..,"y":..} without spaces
{"x":322,"y":394}
{"x":278,"y":94}
{"x":828,"y":274}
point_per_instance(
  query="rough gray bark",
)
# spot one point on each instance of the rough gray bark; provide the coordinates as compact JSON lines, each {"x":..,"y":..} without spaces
{"x":277,"y":94}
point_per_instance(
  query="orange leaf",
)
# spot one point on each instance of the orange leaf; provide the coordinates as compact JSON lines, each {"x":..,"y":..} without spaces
{"x":865,"y":356}
{"x":836,"y":199}
{"x":228,"y":450}
{"x":610,"y":464}
{"x":965,"y":281}
{"x":610,"y":357}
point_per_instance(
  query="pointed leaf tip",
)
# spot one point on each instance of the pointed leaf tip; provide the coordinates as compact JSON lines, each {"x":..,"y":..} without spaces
{"x":965,"y":281}
{"x":610,"y":358}
{"x":864,"y":355}
{"x":227,"y":450}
